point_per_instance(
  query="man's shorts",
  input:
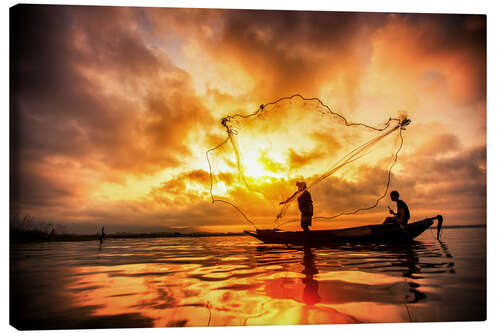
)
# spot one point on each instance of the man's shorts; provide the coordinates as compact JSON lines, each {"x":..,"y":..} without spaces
{"x":391,"y":220}
{"x":305,"y":220}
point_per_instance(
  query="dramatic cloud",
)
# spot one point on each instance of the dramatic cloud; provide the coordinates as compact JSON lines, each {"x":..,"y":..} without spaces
{"x":89,"y":92}
{"x":278,"y":53}
{"x":113,"y":108}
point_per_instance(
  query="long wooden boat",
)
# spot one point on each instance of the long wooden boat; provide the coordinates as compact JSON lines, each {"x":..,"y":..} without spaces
{"x":371,"y":233}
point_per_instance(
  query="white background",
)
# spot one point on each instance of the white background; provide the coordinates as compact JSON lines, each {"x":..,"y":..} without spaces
{"x":419,"y":6}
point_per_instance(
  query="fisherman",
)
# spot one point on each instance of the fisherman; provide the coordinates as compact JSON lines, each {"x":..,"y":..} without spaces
{"x":101,"y":236}
{"x":403,"y":214}
{"x":305,"y":205}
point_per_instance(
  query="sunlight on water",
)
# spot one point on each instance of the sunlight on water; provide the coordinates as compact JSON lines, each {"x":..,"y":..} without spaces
{"x":220,"y":281}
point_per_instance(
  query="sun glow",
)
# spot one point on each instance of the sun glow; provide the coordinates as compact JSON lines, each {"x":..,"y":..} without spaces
{"x":259,"y":164}
{"x":134,"y":131}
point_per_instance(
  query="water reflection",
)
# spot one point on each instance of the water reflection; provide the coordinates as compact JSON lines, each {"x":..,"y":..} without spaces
{"x":358,"y":275}
{"x":311,"y":286}
{"x":227,"y":281}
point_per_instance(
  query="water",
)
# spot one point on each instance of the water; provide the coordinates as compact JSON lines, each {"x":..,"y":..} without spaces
{"x":219,"y":281}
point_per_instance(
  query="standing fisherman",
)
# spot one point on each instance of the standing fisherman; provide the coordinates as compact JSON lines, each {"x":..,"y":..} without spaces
{"x":305,"y":205}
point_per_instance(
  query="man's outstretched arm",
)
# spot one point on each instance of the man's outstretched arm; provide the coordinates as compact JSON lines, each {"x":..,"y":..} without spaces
{"x":287,"y":200}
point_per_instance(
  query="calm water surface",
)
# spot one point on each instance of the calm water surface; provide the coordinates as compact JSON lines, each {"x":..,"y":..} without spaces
{"x":218,"y":281}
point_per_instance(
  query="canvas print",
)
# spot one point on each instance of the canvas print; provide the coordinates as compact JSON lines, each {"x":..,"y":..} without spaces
{"x":217,"y":167}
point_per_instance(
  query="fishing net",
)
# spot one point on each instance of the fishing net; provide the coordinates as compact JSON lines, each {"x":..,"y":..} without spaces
{"x":346,"y":166}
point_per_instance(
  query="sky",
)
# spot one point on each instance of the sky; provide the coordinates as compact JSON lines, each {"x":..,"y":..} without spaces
{"x":113,"y":109}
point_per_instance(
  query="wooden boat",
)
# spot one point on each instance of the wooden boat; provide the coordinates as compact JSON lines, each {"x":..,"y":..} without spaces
{"x":376,"y":233}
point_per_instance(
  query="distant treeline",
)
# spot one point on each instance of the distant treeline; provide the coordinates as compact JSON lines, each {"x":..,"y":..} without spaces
{"x":28,"y":230}
{"x":34,"y":236}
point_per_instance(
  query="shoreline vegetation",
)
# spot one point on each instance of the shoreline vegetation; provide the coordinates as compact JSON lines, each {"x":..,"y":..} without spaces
{"x":38,"y":236}
{"x":27,"y":231}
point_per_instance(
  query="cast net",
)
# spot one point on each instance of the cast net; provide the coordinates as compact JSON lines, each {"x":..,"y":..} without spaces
{"x":346,"y":166}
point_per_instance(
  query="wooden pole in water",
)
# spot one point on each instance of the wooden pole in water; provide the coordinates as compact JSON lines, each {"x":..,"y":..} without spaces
{"x":101,"y":236}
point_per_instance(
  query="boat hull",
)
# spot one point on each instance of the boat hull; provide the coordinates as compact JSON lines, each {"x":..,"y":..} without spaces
{"x":371,"y":233}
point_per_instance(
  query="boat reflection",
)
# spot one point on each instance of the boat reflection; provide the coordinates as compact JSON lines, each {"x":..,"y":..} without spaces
{"x":344,"y":274}
{"x":171,"y":283}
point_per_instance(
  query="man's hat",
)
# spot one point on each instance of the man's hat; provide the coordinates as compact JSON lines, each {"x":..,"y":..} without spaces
{"x":300,"y":184}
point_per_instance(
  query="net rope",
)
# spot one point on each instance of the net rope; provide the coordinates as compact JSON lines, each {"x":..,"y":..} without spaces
{"x":398,"y":124}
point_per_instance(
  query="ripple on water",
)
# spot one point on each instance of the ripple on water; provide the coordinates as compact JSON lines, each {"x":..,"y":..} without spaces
{"x":238,"y":281}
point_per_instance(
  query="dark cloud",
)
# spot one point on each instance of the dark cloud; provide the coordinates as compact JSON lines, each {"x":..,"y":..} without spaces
{"x":92,"y":100}
{"x":296,"y":160}
{"x":439,"y":144}
{"x":336,"y":194}
{"x":453,"y":185}
{"x":284,"y":51}
{"x":198,"y":176}
{"x":467,"y":165}
{"x":38,"y":189}
{"x":85,"y":86}
{"x":174,"y":191}
{"x":448,"y":51}
{"x":450,"y":32}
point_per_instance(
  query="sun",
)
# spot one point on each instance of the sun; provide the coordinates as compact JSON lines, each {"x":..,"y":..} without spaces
{"x":263,"y":163}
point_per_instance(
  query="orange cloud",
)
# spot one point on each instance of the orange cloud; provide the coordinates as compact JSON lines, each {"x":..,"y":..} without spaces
{"x":297,"y":160}
{"x":133,"y":97}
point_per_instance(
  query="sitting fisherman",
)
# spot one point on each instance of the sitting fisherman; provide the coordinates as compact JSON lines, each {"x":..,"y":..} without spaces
{"x":305,"y":205}
{"x":403,"y":214}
